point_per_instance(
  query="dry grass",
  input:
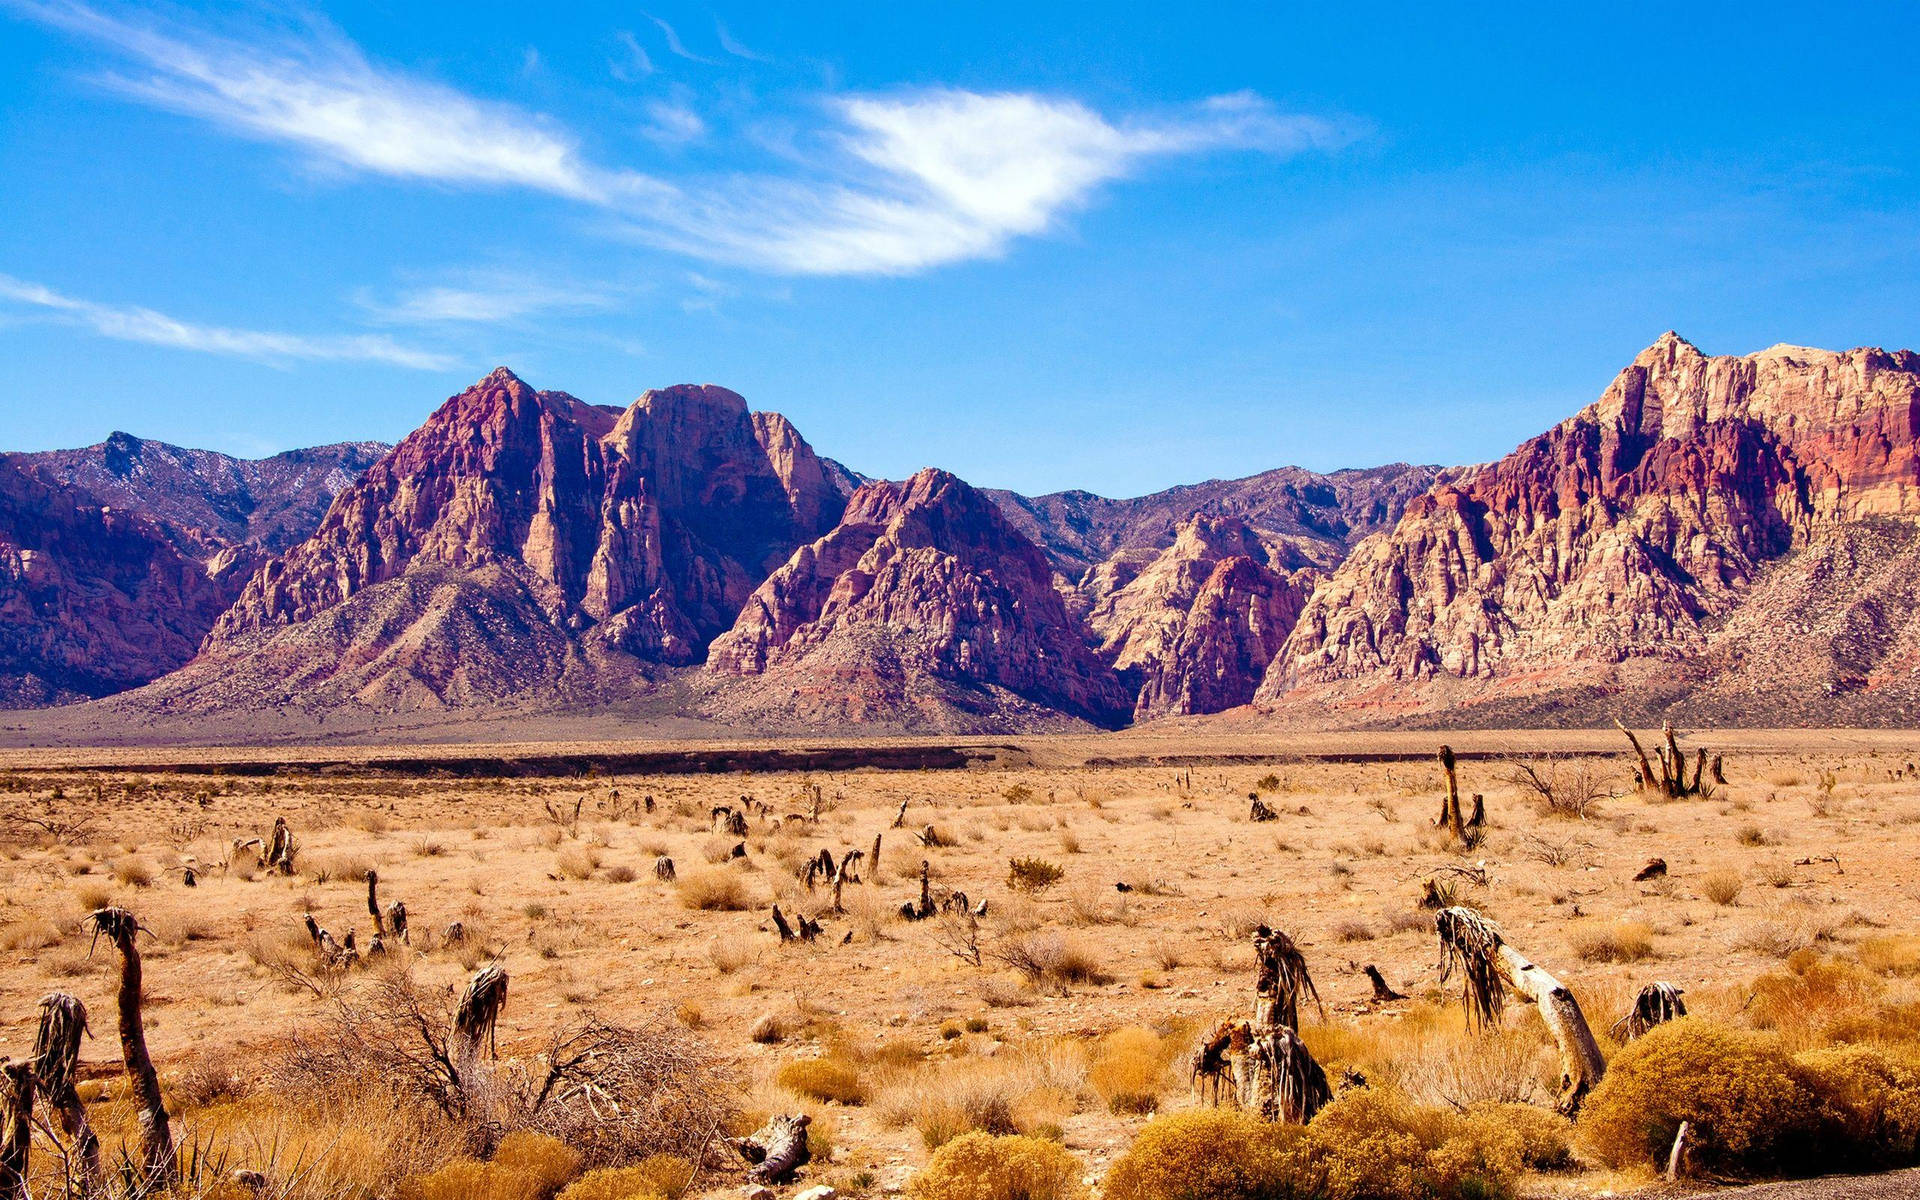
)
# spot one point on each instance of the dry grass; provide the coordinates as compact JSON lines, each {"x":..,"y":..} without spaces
{"x":1064,"y":1027}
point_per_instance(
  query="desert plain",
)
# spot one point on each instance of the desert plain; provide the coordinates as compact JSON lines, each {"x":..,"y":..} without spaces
{"x":1070,"y":1009}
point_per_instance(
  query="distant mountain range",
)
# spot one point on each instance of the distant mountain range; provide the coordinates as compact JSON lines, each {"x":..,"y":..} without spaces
{"x":1716,"y":538}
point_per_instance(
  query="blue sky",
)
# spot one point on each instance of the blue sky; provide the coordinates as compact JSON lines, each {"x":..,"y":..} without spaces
{"x":1105,"y":246}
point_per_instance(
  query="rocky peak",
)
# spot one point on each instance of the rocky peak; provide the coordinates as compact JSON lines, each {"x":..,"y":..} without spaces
{"x":652,"y":523}
{"x":923,"y":594}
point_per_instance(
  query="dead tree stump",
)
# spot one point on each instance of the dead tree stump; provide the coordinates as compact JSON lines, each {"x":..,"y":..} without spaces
{"x":1257,"y":810}
{"x":663,"y":869}
{"x":157,"y":1164}
{"x":1656,"y":1004}
{"x":474,"y":1021}
{"x":280,"y":848}
{"x":777,"y":1150}
{"x":1262,"y":1063}
{"x":1382,"y":994}
{"x":924,"y":908}
{"x":56,"y":1054}
{"x":16,"y":1127}
{"x":1473,"y":946}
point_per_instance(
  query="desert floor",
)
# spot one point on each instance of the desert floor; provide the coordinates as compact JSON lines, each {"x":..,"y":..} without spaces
{"x":1814,"y":842}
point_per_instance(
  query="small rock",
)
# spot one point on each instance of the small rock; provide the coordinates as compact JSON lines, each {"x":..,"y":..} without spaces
{"x":757,"y":1192}
{"x":820,"y":1192}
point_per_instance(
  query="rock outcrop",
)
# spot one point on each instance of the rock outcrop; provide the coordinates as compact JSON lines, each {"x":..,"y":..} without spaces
{"x":1218,"y":654}
{"x":645,"y":529}
{"x":116,"y":559}
{"x":926,"y":607}
{"x":1628,"y":533}
{"x":1320,"y":517}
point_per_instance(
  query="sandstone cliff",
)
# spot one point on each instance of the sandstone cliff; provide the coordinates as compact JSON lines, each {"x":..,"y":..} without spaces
{"x":924,"y":606}
{"x":1630,"y":532}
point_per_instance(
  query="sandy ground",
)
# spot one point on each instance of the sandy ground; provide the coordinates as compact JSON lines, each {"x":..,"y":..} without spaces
{"x":1820,"y":829}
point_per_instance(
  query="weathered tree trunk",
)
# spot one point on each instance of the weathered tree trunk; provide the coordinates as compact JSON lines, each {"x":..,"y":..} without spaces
{"x":780,"y":925}
{"x":900,"y":818}
{"x":1450,"y":816}
{"x":1475,"y":947}
{"x":1646,"y":767}
{"x":280,"y":848}
{"x":1699,"y":771}
{"x":373,"y":904}
{"x":873,"y":864}
{"x":663,"y":869}
{"x":1263,"y":1062}
{"x":56,"y":1054}
{"x":1581,"y":1065}
{"x":473,"y":1022}
{"x":157,"y":1162}
{"x":16,"y":1127}
{"x":777,"y":1150}
{"x":1719,"y":770}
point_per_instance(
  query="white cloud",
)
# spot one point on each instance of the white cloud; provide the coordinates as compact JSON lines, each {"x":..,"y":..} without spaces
{"x":733,"y":47}
{"x":889,"y":185}
{"x":484,"y":297}
{"x":674,"y":43}
{"x":937,"y":177}
{"x":638,"y":63}
{"x":134,"y":324}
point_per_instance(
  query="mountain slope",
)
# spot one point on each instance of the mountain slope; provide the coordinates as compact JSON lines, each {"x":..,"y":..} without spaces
{"x":924,"y":607}
{"x":1629,"y":533}
{"x":1321,"y":516}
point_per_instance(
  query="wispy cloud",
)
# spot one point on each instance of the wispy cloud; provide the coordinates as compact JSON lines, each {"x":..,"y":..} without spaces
{"x":733,"y":47}
{"x":637,"y":64}
{"x":134,"y":324}
{"x":484,"y":297}
{"x":674,"y":43}
{"x":889,"y":184}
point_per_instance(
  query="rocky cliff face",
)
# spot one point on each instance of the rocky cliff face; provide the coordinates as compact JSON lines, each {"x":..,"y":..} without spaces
{"x":116,"y":559}
{"x":92,"y":599}
{"x":1630,"y":531}
{"x":645,"y":528}
{"x":1220,"y":650}
{"x":1318,"y":516}
{"x":926,"y":604}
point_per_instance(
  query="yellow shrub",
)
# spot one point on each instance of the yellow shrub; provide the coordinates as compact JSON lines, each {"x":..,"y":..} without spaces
{"x":468,"y":1180}
{"x":1374,"y":1143}
{"x":714,"y":889}
{"x":1811,"y":994}
{"x":980,"y":1166}
{"x":823,"y":1079}
{"x":655,"y":1178}
{"x":550,"y":1162}
{"x":1546,"y":1137}
{"x":1748,"y":1107}
{"x":1129,"y":1069}
{"x":1892,"y":954}
{"x":1203,"y":1154}
{"x":1869,"y":1101}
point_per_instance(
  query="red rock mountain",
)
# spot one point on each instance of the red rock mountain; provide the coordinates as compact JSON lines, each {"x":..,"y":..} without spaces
{"x":116,"y":559}
{"x":925,"y":602}
{"x":1319,"y":516}
{"x":649,"y":527}
{"x":1603,"y":562}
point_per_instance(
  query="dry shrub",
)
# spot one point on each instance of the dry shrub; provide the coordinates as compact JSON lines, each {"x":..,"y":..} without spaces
{"x":351,"y":1144}
{"x":548,"y":1161}
{"x":468,"y":1180}
{"x":1869,"y":1102}
{"x":30,"y":933}
{"x":1129,"y":1069}
{"x":1031,"y":875}
{"x":1546,"y":1137}
{"x":823,"y":1079}
{"x":714,"y":889}
{"x":578,"y":861}
{"x":982,"y":1166}
{"x":1750,"y":1111}
{"x":133,"y":872}
{"x":1618,"y":941}
{"x":613,"y":1092}
{"x":1432,"y":1057}
{"x":1892,"y":954}
{"x":729,"y":953}
{"x":655,"y":1178}
{"x":1722,"y":886}
{"x":1370,"y":1143}
{"x":1049,"y":959}
{"x":1017,"y":1091}
{"x":1203,"y":1154}
{"x":1784,"y":933}
{"x":1814,"y":991}
{"x":621,"y":873}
